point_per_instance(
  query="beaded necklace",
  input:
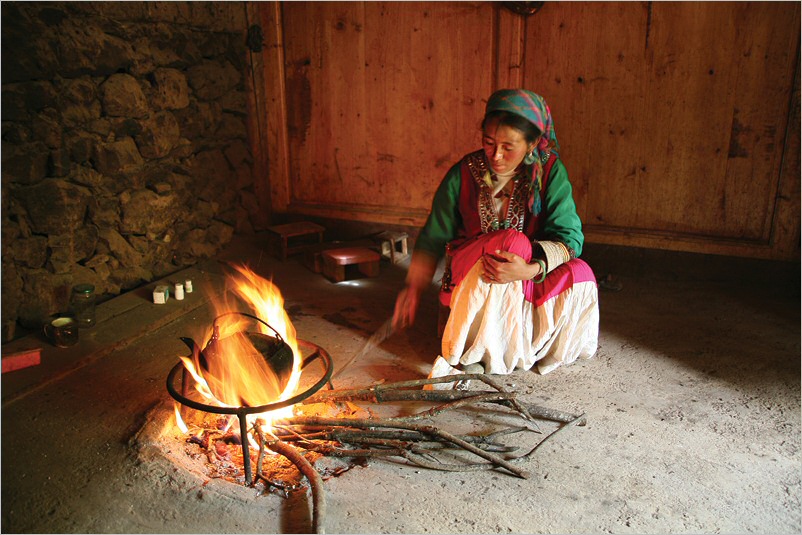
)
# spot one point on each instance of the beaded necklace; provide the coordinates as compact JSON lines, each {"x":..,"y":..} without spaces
{"x":516,"y":207}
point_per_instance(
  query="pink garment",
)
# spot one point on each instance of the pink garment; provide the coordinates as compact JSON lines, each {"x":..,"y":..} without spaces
{"x":557,"y":281}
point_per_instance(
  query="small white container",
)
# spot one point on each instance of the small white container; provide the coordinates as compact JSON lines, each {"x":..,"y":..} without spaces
{"x":179,"y":291}
{"x":161,"y":294}
{"x":188,"y":286}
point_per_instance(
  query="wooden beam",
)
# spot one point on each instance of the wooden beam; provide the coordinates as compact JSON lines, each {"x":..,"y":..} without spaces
{"x":257,"y":125}
{"x":361,"y":212}
{"x":275,"y":106}
{"x":509,"y":48}
{"x":681,"y":242}
{"x":785,"y":237}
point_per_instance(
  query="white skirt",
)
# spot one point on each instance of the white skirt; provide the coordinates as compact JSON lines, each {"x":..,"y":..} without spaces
{"x":494,"y":325}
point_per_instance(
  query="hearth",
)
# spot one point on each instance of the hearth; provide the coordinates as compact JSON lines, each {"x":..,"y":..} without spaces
{"x":244,"y":411}
{"x":286,"y":410}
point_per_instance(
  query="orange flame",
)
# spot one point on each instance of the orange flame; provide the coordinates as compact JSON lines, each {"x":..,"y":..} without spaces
{"x":238,"y":373}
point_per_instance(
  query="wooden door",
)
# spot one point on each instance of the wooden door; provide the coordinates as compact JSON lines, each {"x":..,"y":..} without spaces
{"x":381,"y":99}
{"x":673,"y":117}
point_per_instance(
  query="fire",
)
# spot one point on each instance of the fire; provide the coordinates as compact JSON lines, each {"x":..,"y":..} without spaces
{"x":242,"y":362}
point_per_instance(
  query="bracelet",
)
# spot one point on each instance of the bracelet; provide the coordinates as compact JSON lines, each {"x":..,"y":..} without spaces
{"x":542,"y":275}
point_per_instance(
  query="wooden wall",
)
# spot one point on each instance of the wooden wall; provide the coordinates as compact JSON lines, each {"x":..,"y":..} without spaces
{"x":679,"y":122}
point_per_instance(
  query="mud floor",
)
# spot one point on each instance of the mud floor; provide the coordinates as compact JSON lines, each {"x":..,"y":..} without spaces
{"x":692,"y":404}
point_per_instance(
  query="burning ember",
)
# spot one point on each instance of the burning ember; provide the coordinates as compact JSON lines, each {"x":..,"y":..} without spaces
{"x":285,"y":427}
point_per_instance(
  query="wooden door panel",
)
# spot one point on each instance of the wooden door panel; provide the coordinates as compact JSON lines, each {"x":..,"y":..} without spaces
{"x":382,"y":96}
{"x":592,"y":80}
{"x":671,"y":114}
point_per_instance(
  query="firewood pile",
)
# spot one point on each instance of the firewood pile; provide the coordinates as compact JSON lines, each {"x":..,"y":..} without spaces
{"x":343,"y":425}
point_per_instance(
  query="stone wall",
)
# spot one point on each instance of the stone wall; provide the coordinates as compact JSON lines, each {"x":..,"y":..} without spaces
{"x":124,"y":145}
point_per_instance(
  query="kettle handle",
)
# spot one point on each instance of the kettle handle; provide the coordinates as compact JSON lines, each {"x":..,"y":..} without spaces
{"x":260,"y":320}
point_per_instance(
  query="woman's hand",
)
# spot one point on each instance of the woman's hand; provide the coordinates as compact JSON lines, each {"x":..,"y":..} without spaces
{"x":406,"y":305}
{"x":419,"y":276}
{"x":502,"y":267}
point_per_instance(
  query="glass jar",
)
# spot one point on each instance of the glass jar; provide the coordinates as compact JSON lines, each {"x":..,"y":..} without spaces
{"x":82,"y":304}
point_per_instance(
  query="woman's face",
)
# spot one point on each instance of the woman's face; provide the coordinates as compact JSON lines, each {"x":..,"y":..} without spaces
{"x":504,"y":146}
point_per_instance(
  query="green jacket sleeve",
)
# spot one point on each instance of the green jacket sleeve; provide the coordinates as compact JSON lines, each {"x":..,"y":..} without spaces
{"x":562,"y":223}
{"x":444,"y":220}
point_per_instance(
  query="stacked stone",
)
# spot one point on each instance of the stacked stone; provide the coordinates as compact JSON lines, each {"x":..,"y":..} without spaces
{"x":124,"y":145}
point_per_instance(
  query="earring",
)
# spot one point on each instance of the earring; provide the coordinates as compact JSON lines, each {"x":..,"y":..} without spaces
{"x":530,"y":158}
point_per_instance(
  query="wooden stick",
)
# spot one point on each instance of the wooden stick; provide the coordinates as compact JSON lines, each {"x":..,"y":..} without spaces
{"x":487,"y":398}
{"x":366,"y":436}
{"x":388,"y":441}
{"x":383,"y":395}
{"x":572,"y":423}
{"x":261,"y":457}
{"x":478,"y":441}
{"x":555,"y":415}
{"x":488,"y":380}
{"x":508,"y":431}
{"x":315,"y":481}
{"x":394,"y":392}
{"x":420,"y":461}
{"x":363,"y":452}
{"x":430,"y":430}
{"x":386,"y":392}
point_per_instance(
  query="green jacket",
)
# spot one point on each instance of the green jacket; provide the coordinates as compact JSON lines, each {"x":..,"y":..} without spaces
{"x":447,"y":220}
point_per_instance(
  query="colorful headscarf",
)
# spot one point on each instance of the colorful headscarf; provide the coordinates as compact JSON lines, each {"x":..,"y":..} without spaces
{"x":534,"y":109}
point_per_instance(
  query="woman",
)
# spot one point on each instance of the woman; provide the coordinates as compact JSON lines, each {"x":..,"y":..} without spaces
{"x":518,"y":294}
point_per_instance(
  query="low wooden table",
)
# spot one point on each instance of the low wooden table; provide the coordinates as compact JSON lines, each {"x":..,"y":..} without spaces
{"x":393,"y":245}
{"x":292,"y":238}
{"x":336,"y":260}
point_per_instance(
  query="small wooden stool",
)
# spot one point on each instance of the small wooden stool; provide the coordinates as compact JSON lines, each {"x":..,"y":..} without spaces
{"x":294,"y":238}
{"x":393,"y":245}
{"x":336,"y":260}
{"x":313,"y":255}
